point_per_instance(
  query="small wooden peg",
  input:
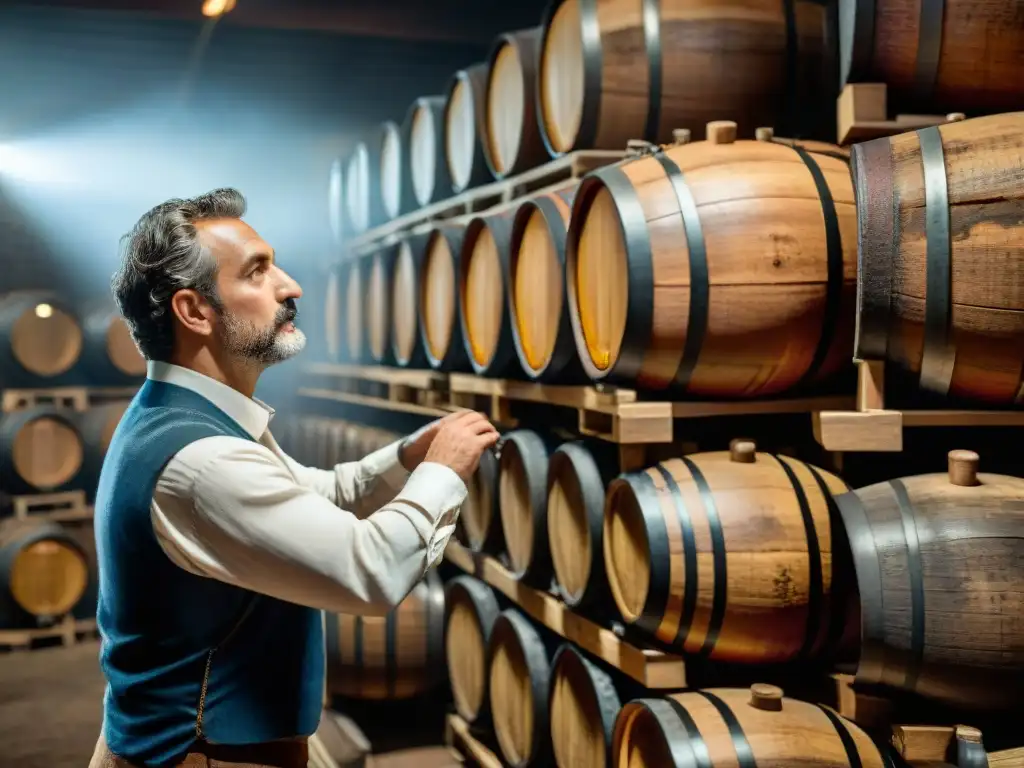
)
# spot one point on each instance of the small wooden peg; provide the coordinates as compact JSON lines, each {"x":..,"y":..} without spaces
{"x":963,"y":468}
{"x":764,"y":133}
{"x":767,"y":698}
{"x":681,"y":135}
{"x":968,"y":733}
{"x":721,"y":131}
{"x":956,"y":117}
{"x":743,"y":451}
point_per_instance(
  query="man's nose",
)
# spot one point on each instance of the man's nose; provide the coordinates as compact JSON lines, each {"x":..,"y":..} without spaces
{"x":287,"y":287}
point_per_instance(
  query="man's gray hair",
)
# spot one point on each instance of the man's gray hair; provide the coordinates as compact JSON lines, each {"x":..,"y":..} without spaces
{"x":161,"y":255}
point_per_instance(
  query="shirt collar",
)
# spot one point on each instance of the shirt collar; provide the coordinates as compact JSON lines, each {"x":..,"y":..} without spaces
{"x":252,"y":414}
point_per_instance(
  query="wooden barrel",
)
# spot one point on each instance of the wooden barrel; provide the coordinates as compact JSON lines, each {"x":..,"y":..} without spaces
{"x":483,"y":307}
{"x":719,"y":724}
{"x":392,"y":164}
{"x":513,"y":143}
{"x":378,"y":304}
{"x":944,"y":550}
{"x":611,"y":72}
{"x":733,"y":555}
{"x":44,"y":572}
{"x":359,"y":175}
{"x":407,"y":347}
{"x":541,"y":328}
{"x":333,"y":313}
{"x":397,"y":656}
{"x":584,"y":705}
{"x":719,"y":268}
{"x":465,"y":128}
{"x":40,"y":339}
{"x":480,"y":517}
{"x":96,"y":428}
{"x":578,"y":474}
{"x":356,"y":278}
{"x":941,"y":280}
{"x":427,"y":166}
{"x":522,"y":501}
{"x":519,"y":680}
{"x":336,"y":201}
{"x":928,"y":55}
{"x":439,"y":295}
{"x":40,"y":450}
{"x":109,"y":354}
{"x":471,"y":610}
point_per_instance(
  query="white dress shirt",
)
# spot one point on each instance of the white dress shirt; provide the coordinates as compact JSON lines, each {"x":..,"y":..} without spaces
{"x":353,"y":540}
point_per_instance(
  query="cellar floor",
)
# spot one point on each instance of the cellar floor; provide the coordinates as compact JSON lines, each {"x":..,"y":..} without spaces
{"x":51,"y":704}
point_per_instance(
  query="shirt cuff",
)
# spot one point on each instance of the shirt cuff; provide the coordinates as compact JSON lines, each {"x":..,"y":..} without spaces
{"x":384,"y":464}
{"x":437,"y":493}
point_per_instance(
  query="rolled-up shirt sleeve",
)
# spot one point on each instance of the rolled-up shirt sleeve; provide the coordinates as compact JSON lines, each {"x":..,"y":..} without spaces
{"x":230,"y":509}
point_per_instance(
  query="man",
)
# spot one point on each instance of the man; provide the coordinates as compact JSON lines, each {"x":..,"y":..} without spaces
{"x":217,"y":551}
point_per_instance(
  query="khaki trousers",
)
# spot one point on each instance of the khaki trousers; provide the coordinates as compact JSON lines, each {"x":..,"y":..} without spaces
{"x":291,"y":753}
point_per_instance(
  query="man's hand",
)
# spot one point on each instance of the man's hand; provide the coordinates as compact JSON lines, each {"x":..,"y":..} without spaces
{"x":457,"y":441}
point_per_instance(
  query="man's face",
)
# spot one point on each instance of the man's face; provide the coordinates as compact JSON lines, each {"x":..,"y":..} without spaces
{"x":257,"y":297}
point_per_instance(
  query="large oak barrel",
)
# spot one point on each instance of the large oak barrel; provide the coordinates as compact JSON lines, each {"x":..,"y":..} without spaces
{"x":397,"y":656}
{"x":332,"y":312}
{"x":44,"y":572}
{"x":483,"y":307}
{"x":513,"y":142}
{"x":519,"y":680}
{"x":940,"y":286}
{"x":96,"y":427}
{"x":426,"y":167}
{"x":733,"y":555}
{"x":439,"y":296}
{"x":471,"y":610}
{"x":40,"y":450}
{"x":719,"y":268}
{"x":109,"y":354}
{"x":392,"y":163}
{"x":465,"y":128}
{"x":728,"y":727}
{"x":407,"y":347}
{"x":938,"y":558}
{"x":522,"y":494}
{"x":578,"y":474}
{"x":584,"y":705}
{"x":40,"y":339}
{"x":929,"y":55}
{"x":480,"y":517}
{"x":356,"y":278}
{"x":361,"y":182}
{"x":336,"y":216}
{"x":379,"y":316}
{"x":541,"y":328}
{"x":629,"y":69}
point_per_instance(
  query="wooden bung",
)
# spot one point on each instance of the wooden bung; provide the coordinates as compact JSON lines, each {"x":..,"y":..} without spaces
{"x":541,"y":326}
{"x":617,"y":70}
{"x":948,"y":542}
{"x":649,"y":732}
{"x":941,"y":284}
{"x":721,"y":268}
{"x":471,"y":609}
{"x":397,"y":656}
{"x":733,"y":556}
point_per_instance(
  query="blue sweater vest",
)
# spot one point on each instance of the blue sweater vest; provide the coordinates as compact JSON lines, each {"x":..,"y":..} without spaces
{"x":185,"y":656}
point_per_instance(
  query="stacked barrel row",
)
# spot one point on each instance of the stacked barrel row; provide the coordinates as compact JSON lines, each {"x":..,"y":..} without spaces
{"x":548,"y":702}
{"x":596,"y":75}
{"x":751,"y":558}
{"x":396,"y":656}
{"x":722,"y":268}
{"x":48,"y":568}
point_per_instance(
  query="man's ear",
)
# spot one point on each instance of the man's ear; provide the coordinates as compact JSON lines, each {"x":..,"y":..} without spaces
{"x":193,"y":311}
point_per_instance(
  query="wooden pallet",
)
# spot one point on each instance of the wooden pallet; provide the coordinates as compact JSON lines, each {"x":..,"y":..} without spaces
{"x":65,"y":506}
{"x":73,"y":398}
{"x":68,"y":631}
{"x":465,"y":745}
{"x":1007,"y":758}
{"x":862,"y":114}
{"x":870,"y":426}
{"x":569,"y":166}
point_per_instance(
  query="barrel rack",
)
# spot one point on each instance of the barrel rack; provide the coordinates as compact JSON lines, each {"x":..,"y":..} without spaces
{"x":68,"y":631}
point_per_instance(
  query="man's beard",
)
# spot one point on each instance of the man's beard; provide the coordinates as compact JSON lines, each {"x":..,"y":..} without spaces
{"x":265,"y":346}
